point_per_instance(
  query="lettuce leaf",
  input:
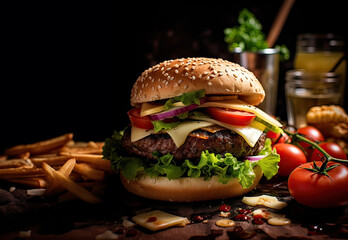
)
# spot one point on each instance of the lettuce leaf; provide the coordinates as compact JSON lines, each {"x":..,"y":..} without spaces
{"x":225,"y":167}
{"x":186,"y":98}
{"x":269,"y":164}
{"x":159,"y":125}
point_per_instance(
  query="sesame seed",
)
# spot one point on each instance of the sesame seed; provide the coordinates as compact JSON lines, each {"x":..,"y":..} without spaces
{"x":193,"y":78}
{"x":176,"y":71}
{"x":186,"y":86}
{"x":159,"y":86}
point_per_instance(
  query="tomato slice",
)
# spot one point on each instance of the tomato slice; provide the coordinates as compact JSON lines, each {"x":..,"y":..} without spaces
{"x":230,"y":116}
{"x":138,"y":121}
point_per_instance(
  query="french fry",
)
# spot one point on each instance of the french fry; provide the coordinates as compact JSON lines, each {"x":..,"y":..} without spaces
{"x":71,"y":186}
{"x":40,"y":147}
{"x":32,"y":182}
{"x":95,"y":161}
{"x":52,"y":161}
{"x":89,"y":172}
{"x":24,"y":155}
{"x":92,"y":144}
{"x":82,"y":150}
{"x":14,"y":163}
{"x":57,"y":164}
{"x":20,"y":172}
{"x":66,"y":170}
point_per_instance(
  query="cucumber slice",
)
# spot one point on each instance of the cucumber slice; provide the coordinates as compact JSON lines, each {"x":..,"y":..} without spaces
{"x":268,"y":125}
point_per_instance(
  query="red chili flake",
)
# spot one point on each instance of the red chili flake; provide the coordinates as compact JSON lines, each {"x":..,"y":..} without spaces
{"x":224,"y":208}
{"x":198,"y":218}
{"x":241,"y":217}
{"x":258,"y":219}
{"x":151,"y":219}
{"x":244,"y":211}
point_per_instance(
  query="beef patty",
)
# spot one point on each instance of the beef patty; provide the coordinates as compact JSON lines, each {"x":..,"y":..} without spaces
{"x":220,"y":142}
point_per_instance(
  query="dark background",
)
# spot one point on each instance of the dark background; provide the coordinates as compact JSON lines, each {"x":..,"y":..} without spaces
{"x":68,"y":66}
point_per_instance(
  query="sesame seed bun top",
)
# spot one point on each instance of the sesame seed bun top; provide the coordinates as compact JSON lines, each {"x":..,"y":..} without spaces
{"x":216,"y":76}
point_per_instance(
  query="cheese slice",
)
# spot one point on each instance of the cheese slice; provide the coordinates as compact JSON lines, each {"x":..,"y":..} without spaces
{"x":251,"y":133}
{"x":265,"y":200}
{"x":178,"y":134}
{"x":157,"y":220}
{"x":139,"y":133}
{"x":240,"y":105}
{"x":151,"y":108}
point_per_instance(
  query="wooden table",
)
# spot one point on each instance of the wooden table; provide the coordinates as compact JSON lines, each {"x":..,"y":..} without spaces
{"x":74,"y":219}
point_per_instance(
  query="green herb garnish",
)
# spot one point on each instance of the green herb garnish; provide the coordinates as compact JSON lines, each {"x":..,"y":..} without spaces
{"x":248,"y":36}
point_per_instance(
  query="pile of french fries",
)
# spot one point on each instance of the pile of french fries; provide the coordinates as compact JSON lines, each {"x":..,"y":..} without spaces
{"x":57,"y":165}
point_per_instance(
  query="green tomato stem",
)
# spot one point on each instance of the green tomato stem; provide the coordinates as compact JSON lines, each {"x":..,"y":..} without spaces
{"x":315,"y":145}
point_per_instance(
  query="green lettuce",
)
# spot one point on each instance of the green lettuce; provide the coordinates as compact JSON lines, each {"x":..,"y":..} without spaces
{"x":159,"y":125}
{"x":186,"y":98}
{"x":225,"y":167}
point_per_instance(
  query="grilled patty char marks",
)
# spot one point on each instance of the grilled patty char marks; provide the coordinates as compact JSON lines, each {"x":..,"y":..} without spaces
{"x":220,"y":142}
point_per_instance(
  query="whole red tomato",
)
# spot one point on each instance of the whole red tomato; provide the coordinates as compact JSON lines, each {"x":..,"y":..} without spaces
{"x":290,"y":158}
{"x":312,"y":134}
{"x":318,"y":190}
{"x":333,"y":149}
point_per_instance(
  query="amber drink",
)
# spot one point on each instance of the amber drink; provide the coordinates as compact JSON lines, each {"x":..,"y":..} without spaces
{"x":304,"y":90}
{"x":319,"y":53}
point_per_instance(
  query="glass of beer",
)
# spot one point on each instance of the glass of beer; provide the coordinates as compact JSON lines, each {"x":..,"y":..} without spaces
{"x":306,"y":89}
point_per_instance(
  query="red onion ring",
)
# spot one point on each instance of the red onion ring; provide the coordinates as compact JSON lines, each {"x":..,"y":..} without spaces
{"x":175,"y":111}
{"x":255,"y":158}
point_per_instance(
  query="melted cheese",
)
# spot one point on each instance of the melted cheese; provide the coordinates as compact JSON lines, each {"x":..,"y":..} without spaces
{"x":178,"y":134}
{"x":157,"y":220}
{"x":151,"y":108}
{"x":139,"y":133}
{"x":251,"y":133}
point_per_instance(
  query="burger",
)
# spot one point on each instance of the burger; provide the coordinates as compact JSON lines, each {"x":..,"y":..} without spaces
{"x":195,"y":133}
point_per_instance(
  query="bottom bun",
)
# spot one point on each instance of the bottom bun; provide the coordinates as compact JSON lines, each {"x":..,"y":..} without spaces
{"x":187,"y":189}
